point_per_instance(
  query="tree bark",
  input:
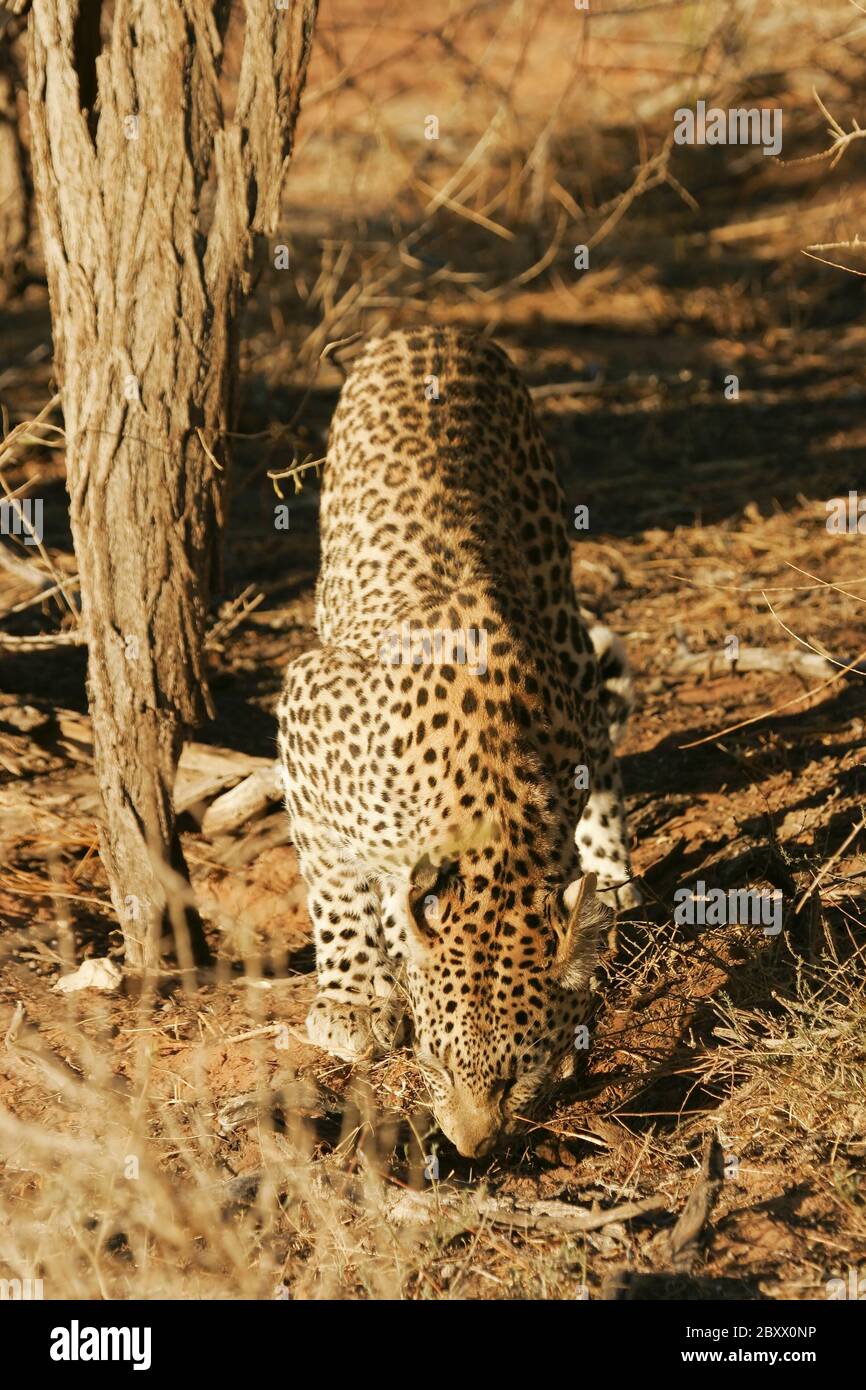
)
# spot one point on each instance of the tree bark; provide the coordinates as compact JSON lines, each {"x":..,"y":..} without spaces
{"x":150,"y":203}
{"x":14,"y":180}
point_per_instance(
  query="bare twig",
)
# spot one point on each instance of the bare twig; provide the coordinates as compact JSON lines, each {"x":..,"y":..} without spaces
{"x":777,"y":709}
{"x":418,"y":1207}
{"x":834,"y":858}
{"x":841,"y":139}
{"x":44,"y":642}
{"x":293,"y":472}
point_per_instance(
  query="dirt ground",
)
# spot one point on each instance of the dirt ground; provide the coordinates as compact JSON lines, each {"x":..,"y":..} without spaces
{"x":127,"y":1120}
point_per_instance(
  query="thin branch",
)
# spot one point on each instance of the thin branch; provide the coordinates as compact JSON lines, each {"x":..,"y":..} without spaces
{"x":836,"y":265}
{"x":293,"y":472}
{"x":830,"y":862}
{"x":777,"y":709}
{"x":808,"y":645}
{"x":841,"y":139}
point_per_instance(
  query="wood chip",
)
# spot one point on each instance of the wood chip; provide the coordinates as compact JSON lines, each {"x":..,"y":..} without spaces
{"x":684,"y":1238}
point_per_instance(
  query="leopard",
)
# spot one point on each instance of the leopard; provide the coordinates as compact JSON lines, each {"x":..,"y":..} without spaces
{"x":447,"y":749}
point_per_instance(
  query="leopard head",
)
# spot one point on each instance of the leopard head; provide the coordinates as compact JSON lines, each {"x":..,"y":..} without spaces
{"x":498,"y":974}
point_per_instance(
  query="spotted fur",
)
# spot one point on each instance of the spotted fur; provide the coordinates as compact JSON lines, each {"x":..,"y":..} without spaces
{"x":446,"y":833}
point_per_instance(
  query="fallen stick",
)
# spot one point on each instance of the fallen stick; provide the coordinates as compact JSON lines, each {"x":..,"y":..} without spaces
{"x":250,"y":797}
{"x":242,"y":784}
{"x":716,"y":663}
{"x":45,"y":642}
{"x":408,"y":1207}
{"x":683,"y":1239}
{"x":416,"y":1207}
{"x":204,"y":771}
{"x":204,"y":758}
{"x":207,"y":757}
{"x":567,"y":1218}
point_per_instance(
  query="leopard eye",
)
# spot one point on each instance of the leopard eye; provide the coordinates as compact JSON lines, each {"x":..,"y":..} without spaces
{"x":445,"y":877}
{"x":428,"y":891}
{"x":434,"y":1071}
{"x":524,"y":1088}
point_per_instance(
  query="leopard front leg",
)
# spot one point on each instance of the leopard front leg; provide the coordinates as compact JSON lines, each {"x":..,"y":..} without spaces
{"x":357,"y":1012}
{"x":599,"y":671}
{"x":602,"y":832}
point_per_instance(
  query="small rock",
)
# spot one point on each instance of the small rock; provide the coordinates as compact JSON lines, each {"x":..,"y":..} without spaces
{"x":93,"y":973}
{"x":25,"y":718}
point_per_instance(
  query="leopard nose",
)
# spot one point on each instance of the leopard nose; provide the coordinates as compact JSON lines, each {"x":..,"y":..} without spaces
{"x":475,"y":1134}
{"x":481,"y":1148}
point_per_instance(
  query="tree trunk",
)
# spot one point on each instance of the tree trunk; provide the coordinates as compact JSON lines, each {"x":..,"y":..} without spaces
{"x":149,"y":204}
{"x":14,"y":183}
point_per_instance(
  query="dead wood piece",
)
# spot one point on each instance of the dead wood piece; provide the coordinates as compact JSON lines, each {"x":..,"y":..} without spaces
{"x":42,"y":643}
{"x":417,"y":1207}
{"x":244,"y":785}
{"x":683,"y":1239}
{"x":205,"y":772}
{"x":190,"y":791}
{"x":234,"y":808}
{"x":809,"y":665}
{"x":566,"y":1218}
{"x":208,"y":762}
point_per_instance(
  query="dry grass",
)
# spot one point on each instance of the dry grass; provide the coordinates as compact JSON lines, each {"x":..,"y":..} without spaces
{"x":123,"y":1186}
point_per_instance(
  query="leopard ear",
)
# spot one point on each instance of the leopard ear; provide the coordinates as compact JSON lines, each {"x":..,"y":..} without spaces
{"x":578,"y":935}
{"x":421,"y":906}
{"x":428,"y":880}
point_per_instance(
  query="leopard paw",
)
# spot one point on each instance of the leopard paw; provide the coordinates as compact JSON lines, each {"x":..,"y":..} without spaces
{"x":621,"y":898}
{"x":343,"y":1029}
{"x":389,"y":1023}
